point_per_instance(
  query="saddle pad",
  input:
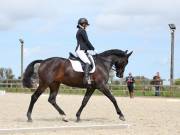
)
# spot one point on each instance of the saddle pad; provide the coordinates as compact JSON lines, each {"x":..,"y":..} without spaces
{"x":76,"y":65}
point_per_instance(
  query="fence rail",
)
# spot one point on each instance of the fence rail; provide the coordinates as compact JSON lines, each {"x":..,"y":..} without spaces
{"x":142,"y":90}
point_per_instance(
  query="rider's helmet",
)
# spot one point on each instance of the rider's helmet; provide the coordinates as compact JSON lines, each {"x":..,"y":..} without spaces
{"x":82,"y":21}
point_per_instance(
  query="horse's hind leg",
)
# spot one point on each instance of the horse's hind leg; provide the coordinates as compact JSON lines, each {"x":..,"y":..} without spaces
{"x":34,"y":98}
{"x":54,"y":87}
{"x":86,"y":98}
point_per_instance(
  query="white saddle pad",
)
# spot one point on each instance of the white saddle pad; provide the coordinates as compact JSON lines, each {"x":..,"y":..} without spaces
{"x":77,"y":65}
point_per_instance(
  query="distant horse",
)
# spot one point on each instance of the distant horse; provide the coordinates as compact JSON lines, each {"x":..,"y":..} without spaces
{"x":55,"y":71}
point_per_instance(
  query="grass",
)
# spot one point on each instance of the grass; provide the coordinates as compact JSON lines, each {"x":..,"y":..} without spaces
{"x":116,"y":92}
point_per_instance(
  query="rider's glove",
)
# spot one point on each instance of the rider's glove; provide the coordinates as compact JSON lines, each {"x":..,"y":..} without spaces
{"x":95,"y":51}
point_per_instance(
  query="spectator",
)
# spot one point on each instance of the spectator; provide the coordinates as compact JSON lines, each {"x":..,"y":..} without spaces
{"x":130,"y":84}
{"x":157,"y":82}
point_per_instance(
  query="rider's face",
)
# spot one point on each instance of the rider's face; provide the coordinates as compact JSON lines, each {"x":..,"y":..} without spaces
{"x":85,"y":25}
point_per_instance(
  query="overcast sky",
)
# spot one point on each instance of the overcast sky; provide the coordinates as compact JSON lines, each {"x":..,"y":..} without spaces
{"x":48,"y":28}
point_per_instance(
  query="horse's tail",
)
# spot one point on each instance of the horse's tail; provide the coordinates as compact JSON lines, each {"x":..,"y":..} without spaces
{"x":27,"y":82}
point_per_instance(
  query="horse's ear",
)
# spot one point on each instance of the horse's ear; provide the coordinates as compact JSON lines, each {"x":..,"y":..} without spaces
{"x":126,"y":51}
{"x":129,"y":54}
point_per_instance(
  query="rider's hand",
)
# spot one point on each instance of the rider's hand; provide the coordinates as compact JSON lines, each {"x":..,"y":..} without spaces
{"x":95,"y":52}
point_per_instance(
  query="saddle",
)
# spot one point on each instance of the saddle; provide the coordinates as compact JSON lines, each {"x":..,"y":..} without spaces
{"x":78,"y":65}
{"x":73,"y":57}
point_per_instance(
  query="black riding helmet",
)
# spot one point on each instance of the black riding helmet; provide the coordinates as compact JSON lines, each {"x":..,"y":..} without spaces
{"x":82,"y":21}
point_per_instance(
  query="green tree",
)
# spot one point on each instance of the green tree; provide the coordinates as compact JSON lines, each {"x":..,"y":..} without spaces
{"x":2,"y":73}
{"x":9,"y":73}
{"x":142,"y":80}
{"x":6,"y":73}
{"x":177,"y":81}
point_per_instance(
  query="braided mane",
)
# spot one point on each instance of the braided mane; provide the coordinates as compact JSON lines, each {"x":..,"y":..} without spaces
{"x":113,"y":52}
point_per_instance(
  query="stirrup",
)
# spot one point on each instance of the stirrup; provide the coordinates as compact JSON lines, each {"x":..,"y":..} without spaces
{"x":89,"y":81}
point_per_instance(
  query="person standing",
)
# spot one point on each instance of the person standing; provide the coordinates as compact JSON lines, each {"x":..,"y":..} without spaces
{"x":157,"y":82}
{"x":130,"y":84}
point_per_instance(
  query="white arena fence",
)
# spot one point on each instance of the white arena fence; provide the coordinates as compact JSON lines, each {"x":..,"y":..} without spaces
{"x":117,"y":89}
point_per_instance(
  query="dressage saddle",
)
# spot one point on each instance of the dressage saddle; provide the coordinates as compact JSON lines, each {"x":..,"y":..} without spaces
{"x":73,"y":57}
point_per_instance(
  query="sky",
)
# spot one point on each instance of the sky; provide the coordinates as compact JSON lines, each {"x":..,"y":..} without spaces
{"x":48,"y":28}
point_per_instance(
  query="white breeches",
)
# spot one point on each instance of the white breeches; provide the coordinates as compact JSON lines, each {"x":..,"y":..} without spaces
{"x":82,"y":55}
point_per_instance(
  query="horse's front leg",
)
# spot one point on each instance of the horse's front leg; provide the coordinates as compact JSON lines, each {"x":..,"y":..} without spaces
{"x":86,"y":98}
{"x":105,"y":90}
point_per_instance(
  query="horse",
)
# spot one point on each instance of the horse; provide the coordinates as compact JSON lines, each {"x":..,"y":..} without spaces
{"x":57,"y":70}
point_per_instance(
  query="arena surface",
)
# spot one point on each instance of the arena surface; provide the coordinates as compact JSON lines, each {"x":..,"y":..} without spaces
{"x":144,"y":116}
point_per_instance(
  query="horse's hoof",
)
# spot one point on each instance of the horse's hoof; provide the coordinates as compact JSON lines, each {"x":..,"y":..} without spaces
{"x":122,"y":118}
{"x":78,"y":119}
{"x":29,"y":120}
{"x":64,"y":118}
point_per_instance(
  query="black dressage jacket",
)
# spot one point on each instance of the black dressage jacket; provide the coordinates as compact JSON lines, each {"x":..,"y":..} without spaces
{"x":83,"y":41}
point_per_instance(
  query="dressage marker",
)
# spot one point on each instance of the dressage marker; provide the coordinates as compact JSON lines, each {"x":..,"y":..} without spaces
{"x":2,"y":92}
{"x":173,"y":100}
{"x":62,"y":128}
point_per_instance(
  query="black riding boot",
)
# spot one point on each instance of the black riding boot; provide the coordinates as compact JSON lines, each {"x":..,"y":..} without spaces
{"x":87,"y":80}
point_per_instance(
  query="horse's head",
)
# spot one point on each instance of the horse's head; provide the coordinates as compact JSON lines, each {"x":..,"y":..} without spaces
{"x":118,"y":58}
{"x":121,"y":63}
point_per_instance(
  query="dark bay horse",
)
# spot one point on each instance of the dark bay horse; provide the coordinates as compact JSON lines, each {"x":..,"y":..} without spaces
{"x":55,"y":71}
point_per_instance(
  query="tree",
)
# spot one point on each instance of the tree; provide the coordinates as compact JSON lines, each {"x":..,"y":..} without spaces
{"x":2,"y":76}
{"x":9,"y":74}
{"x":142,"y":80}
{"x":177,"y":81}
{"x":6,"y":73}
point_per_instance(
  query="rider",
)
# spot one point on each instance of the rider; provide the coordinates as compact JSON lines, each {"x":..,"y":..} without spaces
{"x":83,"y":45}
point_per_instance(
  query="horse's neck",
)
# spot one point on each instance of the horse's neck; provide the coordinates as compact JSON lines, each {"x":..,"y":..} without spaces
{"x":107,"y":61}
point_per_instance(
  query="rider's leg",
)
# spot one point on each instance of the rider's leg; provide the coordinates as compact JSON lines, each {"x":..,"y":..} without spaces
{"x":86,"y":73}
{"x":82,"y":55}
